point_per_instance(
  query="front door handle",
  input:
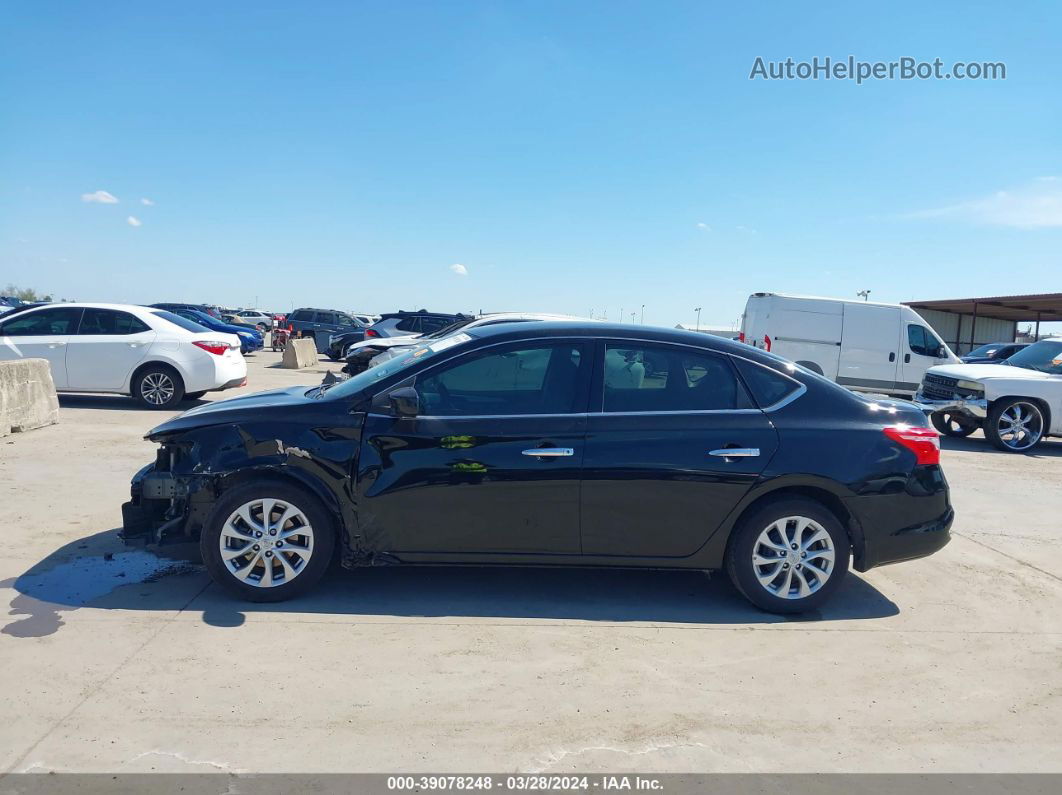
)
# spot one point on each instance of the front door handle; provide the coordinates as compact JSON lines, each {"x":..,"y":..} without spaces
{"x":550,"y":452}
{"x":907,"y":358}
{"x":892,"y":356}
{"x":736,"y":452}
{"x":56,"y":344}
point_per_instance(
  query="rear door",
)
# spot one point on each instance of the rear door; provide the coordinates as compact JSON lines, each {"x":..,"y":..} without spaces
{"x":41,"y":334}
{"x":491,"y":463}
{"x":869,"y":347}
{"x":657,"y":480}
{"x":108,"y":345}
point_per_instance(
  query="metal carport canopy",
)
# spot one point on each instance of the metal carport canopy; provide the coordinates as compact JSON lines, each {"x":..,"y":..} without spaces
{"x":1033,"y":308}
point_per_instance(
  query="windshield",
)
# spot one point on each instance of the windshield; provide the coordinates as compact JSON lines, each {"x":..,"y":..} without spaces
{"x":1045,"y":356}
{"x":373,"y":375}
{"x":985,"y":350}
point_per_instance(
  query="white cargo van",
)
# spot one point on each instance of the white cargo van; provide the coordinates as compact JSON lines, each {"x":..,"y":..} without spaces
{"x":865,"y":346}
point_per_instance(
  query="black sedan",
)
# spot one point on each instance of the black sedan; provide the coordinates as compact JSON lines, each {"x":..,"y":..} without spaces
{"x":993,"y":352}
{"x":553,"y":444}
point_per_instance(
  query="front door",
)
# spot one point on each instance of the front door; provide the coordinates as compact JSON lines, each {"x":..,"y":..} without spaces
{"x":108,"y":345}
{"x":657,"y":479}
{"x":491,"y":463}
{"x":41,"y":334}
{"x":919,"y":346}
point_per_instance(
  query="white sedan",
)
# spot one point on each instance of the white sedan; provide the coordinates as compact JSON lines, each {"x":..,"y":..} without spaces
{"x":1017,"y":402}
{"x":150,"y":354}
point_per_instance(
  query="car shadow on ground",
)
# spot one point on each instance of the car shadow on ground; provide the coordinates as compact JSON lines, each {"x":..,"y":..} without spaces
{"x":121,"y":403}
{"x":99,"y":572}
{"x":1050,"y":448}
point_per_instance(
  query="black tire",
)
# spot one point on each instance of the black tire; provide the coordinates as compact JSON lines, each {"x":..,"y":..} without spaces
{"x":953,"y":424}
{"x":1037,"y":424}
{"x":158,"y":386}
{"x":744,"y":540}
{"x":193,"y":395}
{"x":324,"y":538}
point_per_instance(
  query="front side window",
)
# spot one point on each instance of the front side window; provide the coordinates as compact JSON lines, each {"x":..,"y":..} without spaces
{"x":43,"y":323}
{"x":531,"y":379}
{"x":650,"y":378}
{"x":919,"y":341}
{"x":107,"y":321}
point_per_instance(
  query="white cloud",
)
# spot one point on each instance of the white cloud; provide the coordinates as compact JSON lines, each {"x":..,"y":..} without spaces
{"x":132,"y":220}
{"x":459,"y":269}
{"x":704,"y":226}
{"x":100,"y":197}
{"x":1036,"y":205}
{"x":147,"y":202}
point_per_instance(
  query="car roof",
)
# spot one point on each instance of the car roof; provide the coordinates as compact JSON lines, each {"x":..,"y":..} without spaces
{"x":599,"y":329}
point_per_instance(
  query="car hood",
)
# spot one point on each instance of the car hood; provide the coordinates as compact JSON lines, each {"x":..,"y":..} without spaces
{"x":981,"y":372}
{"x":237,"y":409}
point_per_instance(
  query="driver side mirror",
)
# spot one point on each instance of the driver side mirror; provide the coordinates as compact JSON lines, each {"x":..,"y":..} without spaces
{"x":404,"y":401}
{"x":942,"y":352}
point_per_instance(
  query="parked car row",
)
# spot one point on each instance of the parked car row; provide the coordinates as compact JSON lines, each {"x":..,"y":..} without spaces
{"x":154,"y":355}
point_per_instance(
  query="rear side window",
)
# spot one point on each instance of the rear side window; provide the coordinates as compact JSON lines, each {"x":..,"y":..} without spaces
{"x":768,"y":386}
{"x":179,"y":321}
{"x":410,"y":324}
{"x":328,"y":318}
{"x":107,"y":321}
{"x":300,"y":315}
{"x":430,"y":324}
{"x":43,"y":323}
{"x":649,"y":378}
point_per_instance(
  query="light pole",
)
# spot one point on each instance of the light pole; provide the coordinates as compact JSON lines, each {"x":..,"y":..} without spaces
{"x":621,"y":315}
{"x":643,"y":315}
{"x":698,"y":311}
{"x":632,"y":317}
{"x":863,"y":294}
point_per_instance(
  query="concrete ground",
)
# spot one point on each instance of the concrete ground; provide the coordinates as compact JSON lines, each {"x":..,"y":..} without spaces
{"x":115,"y":660}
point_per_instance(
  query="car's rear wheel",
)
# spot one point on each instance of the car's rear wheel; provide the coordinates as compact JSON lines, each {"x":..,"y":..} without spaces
{"x":788,"y":556}
{"x":953,"y":424}
{"x":267,"y":541}
{"x":1015,"y":425}
{"x":158,"y":387}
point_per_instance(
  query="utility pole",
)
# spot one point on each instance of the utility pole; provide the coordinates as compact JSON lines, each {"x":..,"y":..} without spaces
{"x":632,"y":317}
{"x":643,"y":315}
{"x":698,"y":311}
{"x":621,"y":315}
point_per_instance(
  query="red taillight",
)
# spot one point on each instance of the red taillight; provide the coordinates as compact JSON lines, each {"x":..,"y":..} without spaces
{"x":741,"y":336}
{"x":767,"y":343}
{"x":923,"y":442}
{"x":216,"y":347}
{"x":371,"y":333}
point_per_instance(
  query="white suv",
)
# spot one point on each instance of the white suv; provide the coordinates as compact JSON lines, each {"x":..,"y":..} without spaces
{"x":151,"y":354}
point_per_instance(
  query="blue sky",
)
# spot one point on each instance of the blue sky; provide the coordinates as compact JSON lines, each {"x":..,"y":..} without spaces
{"x":570,"y":156}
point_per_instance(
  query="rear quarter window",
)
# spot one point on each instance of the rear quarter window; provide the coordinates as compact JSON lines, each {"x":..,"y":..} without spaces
{"x":767,"y":385}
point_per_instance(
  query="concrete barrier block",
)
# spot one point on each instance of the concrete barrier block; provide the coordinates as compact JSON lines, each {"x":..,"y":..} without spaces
{"x":299,"y":353}
{"x":267,"y":339}
{"x":27,"y":396}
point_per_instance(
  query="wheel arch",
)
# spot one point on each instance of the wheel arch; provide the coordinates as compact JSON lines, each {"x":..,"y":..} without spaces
{"x":810,"y":365}
{"x":827,"y":493}
{"x":1043,"y":405}
{"x":142,"y":366}
{"x":291,"y":477}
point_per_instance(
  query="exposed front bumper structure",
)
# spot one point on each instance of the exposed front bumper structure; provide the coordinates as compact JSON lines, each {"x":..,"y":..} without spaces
{"x":976,"y":408}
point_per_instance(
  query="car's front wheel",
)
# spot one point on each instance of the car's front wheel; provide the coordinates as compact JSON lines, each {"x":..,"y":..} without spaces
{"x":788,"y":556}
{"x":267,"y":541}
{"x":953,"y":424}
{"x":1015,"y":425}
{"x":158,"y":387}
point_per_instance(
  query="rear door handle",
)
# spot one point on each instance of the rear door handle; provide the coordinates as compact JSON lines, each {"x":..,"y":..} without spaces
{"x":736,"y":452}
{"x":892,"y":357}
{"x":550,"y":452}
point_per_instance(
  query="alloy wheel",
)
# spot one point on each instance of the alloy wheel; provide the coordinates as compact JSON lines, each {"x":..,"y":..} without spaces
{"x":266,"y":542}
{"x":793,"y":557}
{"x":157,"y":389}
{"x":1020,"y":426}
